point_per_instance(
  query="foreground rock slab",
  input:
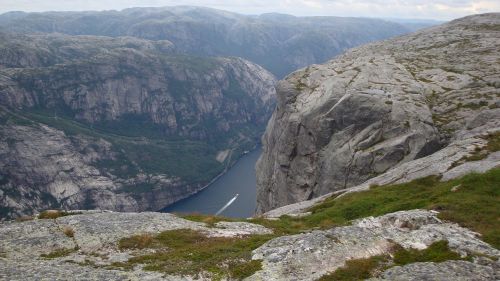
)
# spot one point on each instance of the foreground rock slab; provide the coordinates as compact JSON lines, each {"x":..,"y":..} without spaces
{"x":93,"y":247}
{"x":96,"y":235}
{"x":311,"y":255}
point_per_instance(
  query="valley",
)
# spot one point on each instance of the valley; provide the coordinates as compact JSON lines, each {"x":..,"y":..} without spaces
{"x":138,"y":117}
{"x":188,"y":143}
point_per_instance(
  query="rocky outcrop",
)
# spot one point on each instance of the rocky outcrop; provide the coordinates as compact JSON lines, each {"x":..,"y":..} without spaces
{"x":395,"y":110}
{"x":119,"y":123}
{"x":43,"y":168}
{"x":96,"y":236}
{"x":135,"y":77}
{"x":446,"y":271}
{"x":306,"y":256}
{"x":280,"y":43}
{"x":311,"y":255}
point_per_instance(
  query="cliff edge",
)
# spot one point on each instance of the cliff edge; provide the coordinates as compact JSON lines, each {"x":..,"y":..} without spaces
{"x":399,"y":109}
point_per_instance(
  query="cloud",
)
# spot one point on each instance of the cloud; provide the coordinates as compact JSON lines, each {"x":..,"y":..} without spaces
{"x":433,"y":9}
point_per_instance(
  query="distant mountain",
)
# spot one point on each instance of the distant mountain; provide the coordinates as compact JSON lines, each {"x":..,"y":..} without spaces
{"x":279,"y":43}
{"x":416,"y":24}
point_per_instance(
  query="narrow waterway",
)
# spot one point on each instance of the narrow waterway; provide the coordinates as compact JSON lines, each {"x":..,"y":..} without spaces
{"x":240,"y":179}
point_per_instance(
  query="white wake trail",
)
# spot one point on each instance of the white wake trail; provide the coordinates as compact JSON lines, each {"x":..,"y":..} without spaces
{"x":227,"y":205}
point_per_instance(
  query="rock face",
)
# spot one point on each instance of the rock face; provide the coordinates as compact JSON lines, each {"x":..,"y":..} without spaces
{"x":280,"y":43}
{"x":383,"y":107}
{"x":119,"y":123}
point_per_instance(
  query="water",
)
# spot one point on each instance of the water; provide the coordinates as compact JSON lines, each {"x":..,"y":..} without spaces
{"x":240,"y":179}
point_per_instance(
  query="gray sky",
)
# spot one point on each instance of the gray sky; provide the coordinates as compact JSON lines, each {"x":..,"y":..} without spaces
{"x":427,"y":9}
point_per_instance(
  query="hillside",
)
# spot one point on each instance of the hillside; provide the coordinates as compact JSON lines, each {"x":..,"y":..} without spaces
{"x":388,"y":112}
{"x":279,"y":43}
{"x":123,"y":124}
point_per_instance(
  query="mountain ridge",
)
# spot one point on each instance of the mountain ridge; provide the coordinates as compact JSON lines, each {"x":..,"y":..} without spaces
{"x":277,"y":45}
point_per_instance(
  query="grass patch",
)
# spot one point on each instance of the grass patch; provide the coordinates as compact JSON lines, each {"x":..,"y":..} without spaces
{"x":189,"y":252}
{"x":243,"y":270}
{"x":436,"y":252}
{"x":208,"y":219}
{"x":474,"y":205}
{"x":300,"y":86}
{"x":360,"y":269}
{"x":493,"y":142}
{"x":356,"y":269}
{"x":58,"y":253}
{"x":481,"y":153}
{"x":140,"y":241}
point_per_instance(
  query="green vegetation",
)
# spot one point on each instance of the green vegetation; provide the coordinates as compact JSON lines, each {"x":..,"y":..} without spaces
{"x":474,"y":205}
{"x":480,"y":153}
{"x":140,"y":241}
{"x":140,"y":145}
{"x":186,"y":251}
{"x":193,"y":63}
{"x":475,"y":106}
{"x":493,"y":142}
{"x":359,"y":269}
{"x":356,"y":269}
{"x":436,"y":252}
{"x":208,"y":219}
{"x":58,"y":253}
{"x":194,"y":160}
{"x":7,"y":117}
{"x":300,"y":86}
{"x":472,"y":201}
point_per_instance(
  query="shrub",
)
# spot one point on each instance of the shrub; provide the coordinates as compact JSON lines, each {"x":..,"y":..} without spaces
{"x":51,"y":214}
{"x":68,"y":231}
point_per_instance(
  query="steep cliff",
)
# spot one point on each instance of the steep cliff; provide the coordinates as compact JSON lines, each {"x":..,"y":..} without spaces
{"x":280,"y":43}
{"x":120,"y":123}
{"x":380,"y":106}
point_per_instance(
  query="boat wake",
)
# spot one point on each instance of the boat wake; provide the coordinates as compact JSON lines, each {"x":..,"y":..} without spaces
{"x":227,"y":205}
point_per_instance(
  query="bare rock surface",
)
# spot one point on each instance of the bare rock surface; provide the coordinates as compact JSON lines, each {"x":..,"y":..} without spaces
{"x":445,"y":271}
{"x":306,"y":256}
{"x":378,"y":109}
{"x":96,"y":234}
{"x":440,"y":164}
{"x":309,"y":256}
